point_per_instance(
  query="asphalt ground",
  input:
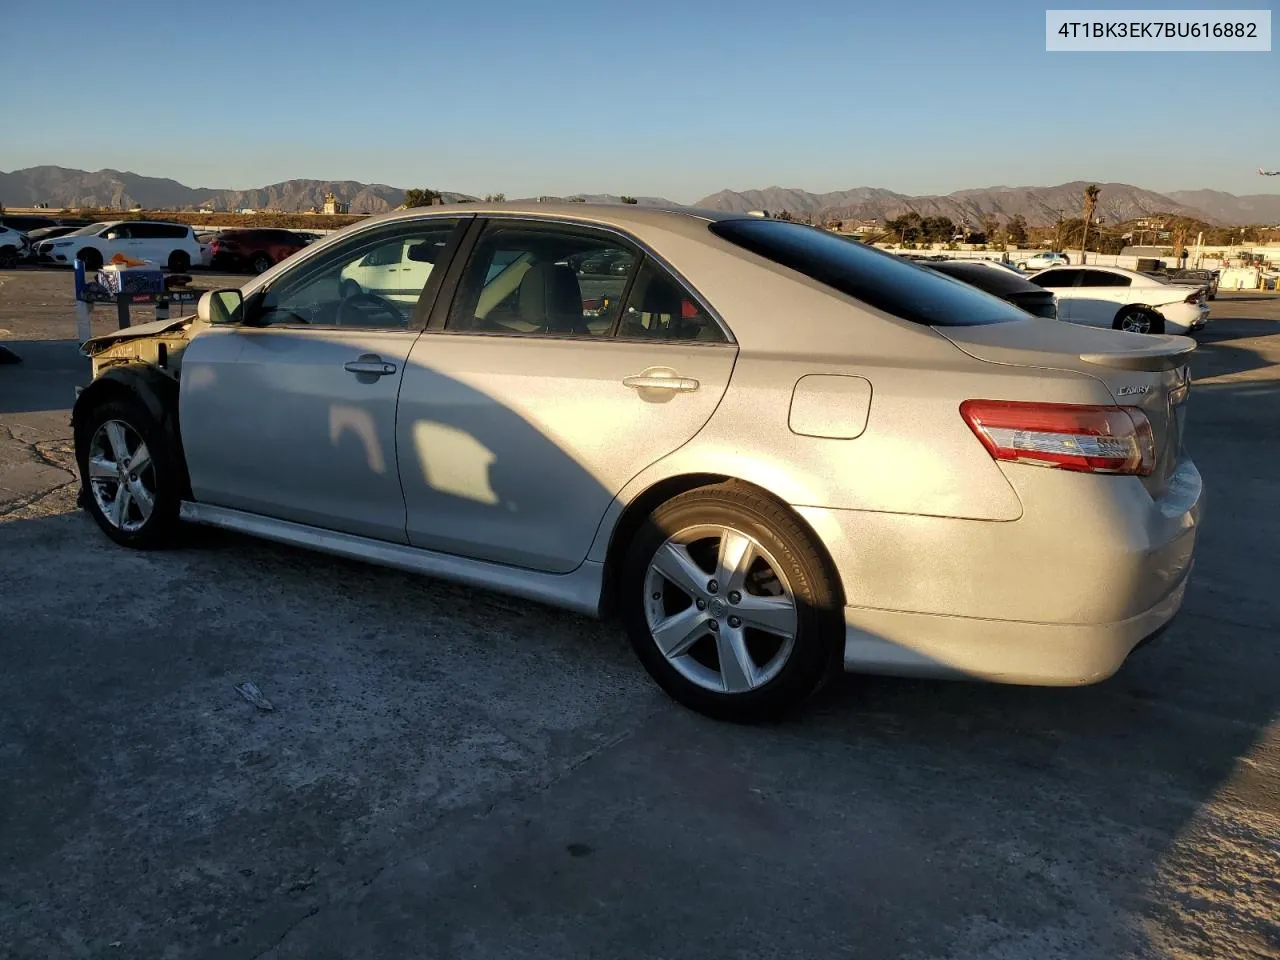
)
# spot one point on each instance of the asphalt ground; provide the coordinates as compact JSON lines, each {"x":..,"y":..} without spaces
{"x":451,"y":773}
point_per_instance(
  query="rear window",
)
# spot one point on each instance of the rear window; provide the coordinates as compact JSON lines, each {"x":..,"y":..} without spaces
{"x":878,"y":279}
{"x":999,"y":282}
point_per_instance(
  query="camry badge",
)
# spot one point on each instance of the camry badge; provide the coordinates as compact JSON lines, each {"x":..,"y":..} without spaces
{"x":1129,"y":389}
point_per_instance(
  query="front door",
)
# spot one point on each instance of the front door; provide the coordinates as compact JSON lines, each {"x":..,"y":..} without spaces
{"x":553,"y":383}
{"x":293,"y":414}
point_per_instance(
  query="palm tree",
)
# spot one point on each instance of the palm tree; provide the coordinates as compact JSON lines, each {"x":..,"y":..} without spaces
{"x":1090,"y":203}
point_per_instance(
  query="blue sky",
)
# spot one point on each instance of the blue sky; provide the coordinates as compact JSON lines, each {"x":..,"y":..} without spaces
{"x":671,"y":97}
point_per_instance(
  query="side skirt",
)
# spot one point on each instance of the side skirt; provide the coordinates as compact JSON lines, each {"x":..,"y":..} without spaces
{"x":578,"y":590}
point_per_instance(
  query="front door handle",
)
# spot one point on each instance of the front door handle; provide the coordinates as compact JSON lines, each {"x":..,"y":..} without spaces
{"x":370,"y":365}
{"x":678,"y":384}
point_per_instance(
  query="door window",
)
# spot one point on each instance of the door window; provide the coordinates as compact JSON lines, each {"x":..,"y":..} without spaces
{"x":1054,"y":279}
{"x":659,"y":308}
{"x":339,"y":289}
{"x":1100,"y":278}
{"x":542,"y":280}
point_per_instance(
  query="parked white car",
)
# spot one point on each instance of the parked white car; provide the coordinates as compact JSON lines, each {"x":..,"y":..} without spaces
{"x":171,"y":245}
{"x":1124,"y":300}
{"x":13,"y":247}
{"x":395,"y":271}
{"x":1042,"y":261}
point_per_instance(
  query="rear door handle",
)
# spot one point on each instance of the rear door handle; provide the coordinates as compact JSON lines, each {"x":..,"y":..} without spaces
{"x":680,"y":384}
{"x":374,"y":367}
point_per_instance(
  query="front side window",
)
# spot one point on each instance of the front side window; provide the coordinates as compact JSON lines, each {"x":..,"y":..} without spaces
{"x":341,"y":288}
{"x":542,"y":280}
{"x":119,"y":232}
{"x":1100,"y":278}
{"x":880,"y":280}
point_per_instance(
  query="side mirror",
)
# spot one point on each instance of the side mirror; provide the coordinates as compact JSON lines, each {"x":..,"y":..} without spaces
{"x":221,"y":307}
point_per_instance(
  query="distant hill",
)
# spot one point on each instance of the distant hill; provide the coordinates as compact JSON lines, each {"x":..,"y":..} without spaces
{"x":1228,"y":208}
{"x":1039,"y":205}
{"x":117,"y":189}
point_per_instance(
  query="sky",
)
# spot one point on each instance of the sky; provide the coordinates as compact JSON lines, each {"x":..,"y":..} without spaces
{"x":675,"y":98}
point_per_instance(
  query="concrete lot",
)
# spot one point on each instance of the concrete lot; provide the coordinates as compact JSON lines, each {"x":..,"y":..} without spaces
{"x":449,"y":773}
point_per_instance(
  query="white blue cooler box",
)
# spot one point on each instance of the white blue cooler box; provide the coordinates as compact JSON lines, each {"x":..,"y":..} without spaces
{"x":121,"y":279}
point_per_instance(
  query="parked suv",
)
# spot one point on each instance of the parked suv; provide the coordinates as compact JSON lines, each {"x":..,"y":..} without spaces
{"x":171,"y":245}
{"x":256,"y":250}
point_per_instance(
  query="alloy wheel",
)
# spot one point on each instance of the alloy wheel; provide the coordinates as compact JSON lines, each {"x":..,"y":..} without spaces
{"x":1136,"y":322}
{"x":122,"y":476}
{"x":720,"y":609}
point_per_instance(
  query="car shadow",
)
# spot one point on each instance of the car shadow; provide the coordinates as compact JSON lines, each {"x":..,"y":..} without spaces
{"x":46,"y":377}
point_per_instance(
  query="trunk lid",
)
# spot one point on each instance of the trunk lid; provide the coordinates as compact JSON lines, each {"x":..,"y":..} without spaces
{"x":1139,"y":370}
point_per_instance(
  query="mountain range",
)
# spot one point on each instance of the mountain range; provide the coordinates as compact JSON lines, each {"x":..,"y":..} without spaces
{"x":1040,"y":206}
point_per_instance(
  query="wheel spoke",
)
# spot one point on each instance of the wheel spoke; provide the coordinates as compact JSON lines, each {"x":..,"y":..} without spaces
{"x":775,"y":615}
{"x":142,"y":497}
{"x":678,"y":632}
{"x":120,"y":505}
{"x":673,"y":561}
{"x":141,"y":459}
{"x":101,"y":469}
{"x":736,"y":553}
{"x":737,"y":672}
{"x":119,"y":445}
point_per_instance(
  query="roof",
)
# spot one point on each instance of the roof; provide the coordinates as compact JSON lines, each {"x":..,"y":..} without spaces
{"x":624,"y":216}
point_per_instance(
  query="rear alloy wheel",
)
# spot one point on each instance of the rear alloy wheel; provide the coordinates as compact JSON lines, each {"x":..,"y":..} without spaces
{"x":729,"y":605}
{"x":8,"y":257}
{"x":129,"y":480}
{"x":1138,"y":320}
{"x":261,"y":263}
{"x":179,"y":261}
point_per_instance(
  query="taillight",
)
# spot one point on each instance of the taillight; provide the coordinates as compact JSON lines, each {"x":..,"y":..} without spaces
{"x":1086,"y":439}
{"x":1193,"y":298}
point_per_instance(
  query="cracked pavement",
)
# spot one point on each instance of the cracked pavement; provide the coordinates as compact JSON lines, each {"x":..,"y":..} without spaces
{"x":452,"y":773}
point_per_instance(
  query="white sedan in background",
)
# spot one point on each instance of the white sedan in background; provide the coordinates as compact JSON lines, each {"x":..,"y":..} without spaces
{"x":1124,"y":300}
{"x":1043,"y":260}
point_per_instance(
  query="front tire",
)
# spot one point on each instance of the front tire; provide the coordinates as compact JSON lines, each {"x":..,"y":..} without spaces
{"x":8,"y":257}
{"x":130,"y":479}
{"x":91,"y":258}
{"x":1138,"y":320}
{"x":731,"y":606}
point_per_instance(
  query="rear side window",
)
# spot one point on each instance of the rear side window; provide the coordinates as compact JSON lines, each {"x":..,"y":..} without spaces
{"x":1100,"y":278}
{"x":1056,"y":278}
{"x":878,"y":279}
{"x":999,"y":282}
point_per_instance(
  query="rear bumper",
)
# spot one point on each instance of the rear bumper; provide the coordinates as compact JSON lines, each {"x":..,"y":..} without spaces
{"x":998,"y":651}
{"x":1058,"y":596}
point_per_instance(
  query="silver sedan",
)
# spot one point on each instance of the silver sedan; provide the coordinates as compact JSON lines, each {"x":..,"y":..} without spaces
{"x":773,"y":453}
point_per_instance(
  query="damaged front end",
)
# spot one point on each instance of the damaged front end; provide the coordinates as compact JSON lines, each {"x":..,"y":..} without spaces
{"x":158,"y":345}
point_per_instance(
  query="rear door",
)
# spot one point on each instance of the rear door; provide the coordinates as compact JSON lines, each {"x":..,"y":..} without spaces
{"x":1061,"y":281}
{"x":529,"y":404}
{"x":1098,"y":297}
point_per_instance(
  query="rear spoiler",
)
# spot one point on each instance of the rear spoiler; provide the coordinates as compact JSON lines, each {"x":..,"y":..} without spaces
{"x":1164,"y":353}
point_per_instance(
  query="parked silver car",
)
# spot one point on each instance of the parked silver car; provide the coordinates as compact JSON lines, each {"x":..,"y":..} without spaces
{"x":774,"y":453}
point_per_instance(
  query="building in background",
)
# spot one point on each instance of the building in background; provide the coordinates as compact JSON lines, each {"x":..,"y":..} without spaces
{"x":333,"y":206}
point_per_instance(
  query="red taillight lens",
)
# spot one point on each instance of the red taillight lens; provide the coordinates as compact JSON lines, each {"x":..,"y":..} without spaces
{"x":1086,"y":439}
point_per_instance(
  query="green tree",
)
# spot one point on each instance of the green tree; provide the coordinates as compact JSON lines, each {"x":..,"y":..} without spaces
{"x":419,"y":197}
{"x":906,"y":227}
{"x":1016,"y":230}
{"x":495,"y":198}
{"x":938,"y":228}
{"x":626,"y":199}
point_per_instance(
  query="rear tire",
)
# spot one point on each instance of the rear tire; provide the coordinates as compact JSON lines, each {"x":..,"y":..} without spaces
{"x":261,"y":263}
{"x":91,"y":258}
{"x":179,"y":261}
{"x":130,"y":476}
{"x":1138,"y":320}
{"x":8,"y":258}
{"x":746,"y":641}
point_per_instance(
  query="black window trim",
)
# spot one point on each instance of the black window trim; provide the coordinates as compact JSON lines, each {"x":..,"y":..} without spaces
{"x":444,"y":301}
{"x":427,"y":300}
